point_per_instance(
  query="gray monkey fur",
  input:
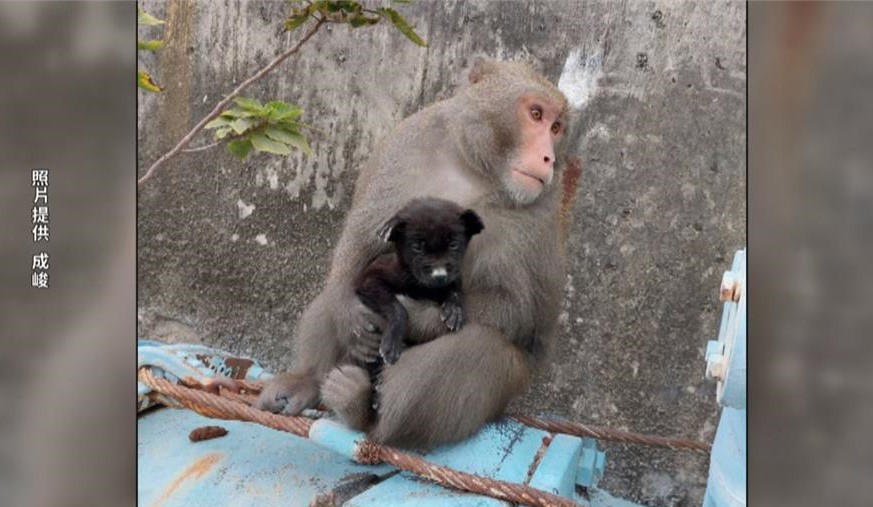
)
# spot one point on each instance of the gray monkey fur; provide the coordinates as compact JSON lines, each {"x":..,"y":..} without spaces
{"x":445,"y":389}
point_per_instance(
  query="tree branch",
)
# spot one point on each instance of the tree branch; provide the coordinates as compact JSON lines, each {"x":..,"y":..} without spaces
{"x":224,"y":103}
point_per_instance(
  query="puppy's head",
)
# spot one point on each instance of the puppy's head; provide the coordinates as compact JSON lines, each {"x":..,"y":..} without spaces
{"x":431,"y":236}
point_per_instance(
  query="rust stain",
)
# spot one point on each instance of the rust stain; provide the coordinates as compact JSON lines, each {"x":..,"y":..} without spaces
{"x":196,"y":471}
{"x":239,"y":367}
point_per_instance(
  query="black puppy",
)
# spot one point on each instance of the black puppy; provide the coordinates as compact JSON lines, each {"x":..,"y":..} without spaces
{"x":430,"y":236}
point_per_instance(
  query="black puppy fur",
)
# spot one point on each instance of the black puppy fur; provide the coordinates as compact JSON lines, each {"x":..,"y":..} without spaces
{"x":430,"y":236}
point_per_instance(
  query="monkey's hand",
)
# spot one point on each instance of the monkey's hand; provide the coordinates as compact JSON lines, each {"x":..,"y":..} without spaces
{"x":452,"y":312}
{"x":289,"y":394}
{"x":364,"y":328}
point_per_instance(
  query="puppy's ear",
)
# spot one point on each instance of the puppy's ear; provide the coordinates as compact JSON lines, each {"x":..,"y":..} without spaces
{"x":392,"y":230}
{"x":472,"y":223}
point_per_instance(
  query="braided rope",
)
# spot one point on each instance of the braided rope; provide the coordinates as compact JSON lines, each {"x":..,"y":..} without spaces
{"x":371,"y":453}
{"x":583,"y":430}
{"x":579,"y":430}
{"x":220,"y":407}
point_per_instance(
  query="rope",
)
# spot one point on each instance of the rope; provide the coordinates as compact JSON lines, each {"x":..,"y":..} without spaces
{"x":583,"y":430}
{"x":509,"y":491}
{"x":550,"y":425}
{"x":219,"y":407}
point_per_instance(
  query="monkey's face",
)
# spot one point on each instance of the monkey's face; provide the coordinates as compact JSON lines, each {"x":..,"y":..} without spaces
{"x":541,"y":126}
{"x":431,"y":237}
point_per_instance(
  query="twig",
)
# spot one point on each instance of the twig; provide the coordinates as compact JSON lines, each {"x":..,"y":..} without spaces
{"x":224,"y":103}
{"x":203,"y":148}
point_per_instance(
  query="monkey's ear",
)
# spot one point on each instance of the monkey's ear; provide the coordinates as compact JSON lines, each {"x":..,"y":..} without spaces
{"x":472,"y":223}
{"x":480,"y":69}
{"x":391,"y":230}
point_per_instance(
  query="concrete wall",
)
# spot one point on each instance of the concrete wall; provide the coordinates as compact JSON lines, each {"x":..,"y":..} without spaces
{"x":230,"y":252}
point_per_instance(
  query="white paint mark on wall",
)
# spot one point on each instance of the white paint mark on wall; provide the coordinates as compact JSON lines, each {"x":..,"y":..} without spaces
{"x":579,"y":77}
{"x":261,"y":239}
{"x":244,"y":209}
{"x":234,"y":237}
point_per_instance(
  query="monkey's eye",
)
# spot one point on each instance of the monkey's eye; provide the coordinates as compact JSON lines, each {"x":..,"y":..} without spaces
{"x":454,"y":245}
{"x":556,"y":128}
{"x":536,"y":112}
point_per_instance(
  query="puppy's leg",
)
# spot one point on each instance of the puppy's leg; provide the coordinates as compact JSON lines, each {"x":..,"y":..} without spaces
{"x":452,"y":311}
{"x":392,"y":340}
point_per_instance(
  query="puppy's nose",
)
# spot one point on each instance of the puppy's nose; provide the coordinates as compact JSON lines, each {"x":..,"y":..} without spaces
{"x":439,"y":273}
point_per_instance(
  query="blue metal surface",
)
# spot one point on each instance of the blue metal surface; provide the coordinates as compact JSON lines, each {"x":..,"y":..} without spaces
{"x":254,"y":465}
{"x":251,"y":465}
{"x":557,"y":471}
{"x":726,"y":362}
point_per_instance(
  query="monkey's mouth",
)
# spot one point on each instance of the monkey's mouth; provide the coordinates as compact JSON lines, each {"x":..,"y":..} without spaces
{"x":541,"y":181}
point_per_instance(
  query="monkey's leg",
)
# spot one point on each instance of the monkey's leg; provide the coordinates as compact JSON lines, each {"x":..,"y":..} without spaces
{"x":347,"y":391}
{"x":445,"y":390}
{"x":317,"y":350}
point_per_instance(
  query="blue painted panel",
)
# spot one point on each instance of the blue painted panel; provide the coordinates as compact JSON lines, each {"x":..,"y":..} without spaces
{"x":251,"y":465}
{"x":557,"y":470}
{"x":726,"y":486}
{"x":503,"y":450}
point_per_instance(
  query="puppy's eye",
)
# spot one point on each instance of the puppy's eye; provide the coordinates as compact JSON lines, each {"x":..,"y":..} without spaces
{"x":417,"y":246}
{"x":454,"y":245}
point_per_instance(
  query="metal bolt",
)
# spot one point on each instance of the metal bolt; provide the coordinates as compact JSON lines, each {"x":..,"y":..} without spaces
{"x":730,"y":287}
{"x":716,"y":369}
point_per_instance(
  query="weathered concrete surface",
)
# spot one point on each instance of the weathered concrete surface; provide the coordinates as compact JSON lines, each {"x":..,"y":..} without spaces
{"x":231,"y":252}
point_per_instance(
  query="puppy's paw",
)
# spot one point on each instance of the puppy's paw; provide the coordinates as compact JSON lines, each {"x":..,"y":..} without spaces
{"x":390,"y":351}
{"x":453,"y":316}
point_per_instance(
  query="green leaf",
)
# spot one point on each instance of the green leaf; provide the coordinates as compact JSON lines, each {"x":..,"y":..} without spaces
{"x":358,"y":20}
{"x":144,"y":80}
{"x":344,"y":5}
{"x":401,"y":25}
{"x":223,"y":132}
{"x":240,"y":147}
{"x":249,"y":104}
{"x":278,"y":111}
{"x":238,"y":113}
{"x":240,"y":125}
{"x":295,"y":22}
{"x":144,"y":18}
{"x":406,"y":2}
{"x":218,"y":122}
{"x":283,"y":136}
{"x":149,"y":45}
{"x":263,"y":143}
{"x":296,"y":140}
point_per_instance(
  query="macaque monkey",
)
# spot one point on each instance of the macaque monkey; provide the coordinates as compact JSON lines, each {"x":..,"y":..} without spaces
{"x":491,"y":148}
{"x":430,"y":238}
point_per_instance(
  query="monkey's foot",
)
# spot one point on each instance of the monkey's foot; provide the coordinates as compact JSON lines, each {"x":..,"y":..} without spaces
{"x":288,"y":394}
{"x":346,"y":391}
{"x":452,"y":315}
